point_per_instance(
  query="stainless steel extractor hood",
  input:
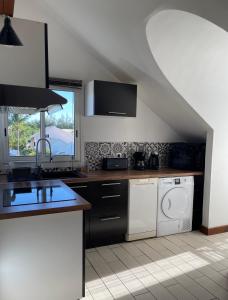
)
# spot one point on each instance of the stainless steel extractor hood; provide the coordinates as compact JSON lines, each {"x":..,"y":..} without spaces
{"x":28,"y":100}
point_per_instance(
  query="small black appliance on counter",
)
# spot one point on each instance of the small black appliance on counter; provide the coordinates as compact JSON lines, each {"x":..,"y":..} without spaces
{"x":115,"y":163}
{"x":139,"y":160}
{"x":153,"y":162}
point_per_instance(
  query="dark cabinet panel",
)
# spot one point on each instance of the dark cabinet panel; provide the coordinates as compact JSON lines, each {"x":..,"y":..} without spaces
{"x":107,"y":229}
{"x":111,"y":99}
{"x":106,"y":222}
{"x":198,"y":202}
{"x":111,"y":188}
{"x":81,"y":188}
{"x":84,"y":190}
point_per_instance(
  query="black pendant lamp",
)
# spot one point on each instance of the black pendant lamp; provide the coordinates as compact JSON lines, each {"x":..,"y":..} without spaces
{"x":8,"y":36}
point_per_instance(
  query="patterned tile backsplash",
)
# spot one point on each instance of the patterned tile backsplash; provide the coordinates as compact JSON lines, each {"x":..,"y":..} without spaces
{"x":96,"y":151}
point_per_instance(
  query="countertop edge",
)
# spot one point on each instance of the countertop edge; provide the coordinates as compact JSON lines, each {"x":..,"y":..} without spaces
{"x":76,"y":203}
{"x":131,"y":174}
{"x":50,"y":211}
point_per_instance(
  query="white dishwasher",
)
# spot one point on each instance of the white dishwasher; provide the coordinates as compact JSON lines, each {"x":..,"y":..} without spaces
{"x":142,"y":208}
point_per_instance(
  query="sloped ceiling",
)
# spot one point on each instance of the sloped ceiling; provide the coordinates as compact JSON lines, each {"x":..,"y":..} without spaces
{"x":113,"y":33}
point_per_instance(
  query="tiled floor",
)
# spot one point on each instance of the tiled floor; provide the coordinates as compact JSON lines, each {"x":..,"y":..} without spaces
{"x":184,"y":266}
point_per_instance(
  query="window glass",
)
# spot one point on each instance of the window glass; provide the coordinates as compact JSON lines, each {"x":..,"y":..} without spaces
{"x":59,"y":126}
{"x":23,"y":133}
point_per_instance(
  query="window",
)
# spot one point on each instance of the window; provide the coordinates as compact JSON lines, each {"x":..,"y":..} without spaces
{"x":59,"y":128}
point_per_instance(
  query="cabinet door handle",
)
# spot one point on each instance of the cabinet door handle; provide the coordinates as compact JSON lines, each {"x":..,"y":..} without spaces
{"x":117,"y":113}
{"x":112,"y":183}
{"x":79,"y":187}
{"x":109,"y":219}
{"x":111,"y":196}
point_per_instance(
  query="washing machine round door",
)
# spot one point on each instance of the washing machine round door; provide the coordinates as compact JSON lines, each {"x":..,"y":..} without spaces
{"x":175,"y":203}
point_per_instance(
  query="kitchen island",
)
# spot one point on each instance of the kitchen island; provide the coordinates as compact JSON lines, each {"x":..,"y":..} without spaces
{"x":41,"y":241}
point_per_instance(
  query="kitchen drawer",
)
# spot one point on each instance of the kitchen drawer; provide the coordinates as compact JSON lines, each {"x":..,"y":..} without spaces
{"x":110,"y":188}
{"x":109,"y":205}
{"x":107,"y":229}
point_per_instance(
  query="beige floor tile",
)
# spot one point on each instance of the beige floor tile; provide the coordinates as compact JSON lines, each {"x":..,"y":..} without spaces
{"x":87,"y":263}
{"x":180,"y":293}
{"x":149,"y":265}
{"x":117,"y":289}
{"x":149,"y":281}
{"x":171,"y":246}
{"x":190,"y":270}
{"x":106,"y":253}
{"x":125,"y":257}
{"x":164,"y":278}
{"x":155,"y":244}
{"x":175,"y":240}
{"x":216,"y":277}
{"x":194,"y":288}
{"x":90,"y":250}
{"x":213,"y":288}
{"x":147,"y":250}
{"x":134,"y":286}
{"x":147,"y":296}
{"x":90,"y":274}
{"x":161,"y":293}
{"x":127,"y":277}
{"x":114,"y":246}
{"x":132,"y":249}
{"x":224,"y":273}
{"x":101,"y":294}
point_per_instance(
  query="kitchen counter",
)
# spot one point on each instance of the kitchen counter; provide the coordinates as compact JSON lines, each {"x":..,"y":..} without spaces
{"x":42,"y":241}
{"x":102,"y":175}
{"x":31,"y":198}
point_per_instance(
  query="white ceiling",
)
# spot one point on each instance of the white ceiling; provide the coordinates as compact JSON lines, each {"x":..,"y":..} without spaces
{"x":109,"y":37}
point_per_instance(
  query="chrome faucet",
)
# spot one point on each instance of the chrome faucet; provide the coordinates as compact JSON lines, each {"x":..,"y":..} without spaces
{"x":37,"y":144}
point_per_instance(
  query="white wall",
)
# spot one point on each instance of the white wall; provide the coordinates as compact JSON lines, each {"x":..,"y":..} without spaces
{"x":147,"y":126}
{"x":193,"y":56}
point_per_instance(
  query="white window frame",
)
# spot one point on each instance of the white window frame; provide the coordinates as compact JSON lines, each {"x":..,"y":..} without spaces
{"x":6,"y":158}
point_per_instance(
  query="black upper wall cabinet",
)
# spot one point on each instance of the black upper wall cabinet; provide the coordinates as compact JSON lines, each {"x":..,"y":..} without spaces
{"x":110,"y":99}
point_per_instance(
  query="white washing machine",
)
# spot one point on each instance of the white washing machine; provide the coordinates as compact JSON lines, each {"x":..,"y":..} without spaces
{"x":175,"y":205}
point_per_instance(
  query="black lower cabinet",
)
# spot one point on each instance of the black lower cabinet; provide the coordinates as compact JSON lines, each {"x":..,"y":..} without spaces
{"x":106,"y":230}
{"x":106,"y":222}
